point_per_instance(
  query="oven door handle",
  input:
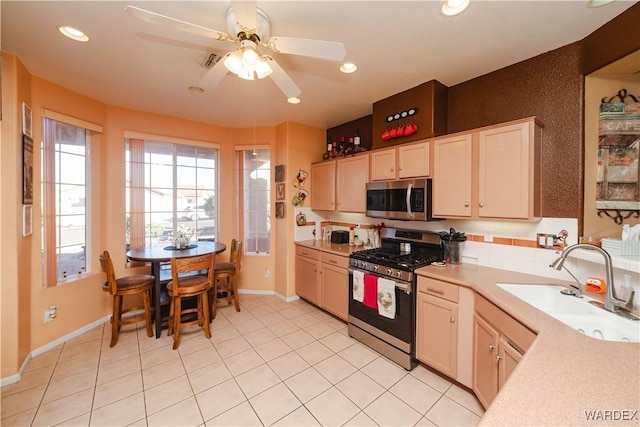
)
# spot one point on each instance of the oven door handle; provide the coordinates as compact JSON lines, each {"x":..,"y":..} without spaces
{"x":403,"y":286}
{"x":409,"y":188}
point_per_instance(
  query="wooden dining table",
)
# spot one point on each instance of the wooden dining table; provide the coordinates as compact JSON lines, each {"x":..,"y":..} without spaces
{"x":156,"y":255}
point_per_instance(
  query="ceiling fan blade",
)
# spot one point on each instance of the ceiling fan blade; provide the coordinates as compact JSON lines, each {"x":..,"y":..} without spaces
{"x":156,"y":18}
{"x":214,"y":75}
{"x":283,"y":81}
{"x":332,"y":51}
{"x":245,"y":13}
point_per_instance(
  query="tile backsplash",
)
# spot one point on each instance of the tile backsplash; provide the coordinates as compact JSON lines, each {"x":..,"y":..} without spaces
{"x":518,"y":254}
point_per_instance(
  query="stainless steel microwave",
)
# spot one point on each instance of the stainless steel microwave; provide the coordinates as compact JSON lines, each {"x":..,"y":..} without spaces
{"x":406,"y":199}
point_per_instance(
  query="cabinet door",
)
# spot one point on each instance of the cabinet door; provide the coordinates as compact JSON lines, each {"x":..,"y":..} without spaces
{"x":485,"y":366}
{"x":351,"y":180}
{"x":452,"y":176}
{"x":437,"y":333}
{"x":307,"y":279}
{"x":509,"y":358}
{"x":505,"y":172}
{"x":334,"y":290}
{"x":413,"y":160}
{"x":383,"y":164}
{"x":323,"y":186}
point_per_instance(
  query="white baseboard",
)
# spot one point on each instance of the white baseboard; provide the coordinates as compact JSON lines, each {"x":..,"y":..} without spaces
{"x":40,"y":350}
{"x":255,"y":292}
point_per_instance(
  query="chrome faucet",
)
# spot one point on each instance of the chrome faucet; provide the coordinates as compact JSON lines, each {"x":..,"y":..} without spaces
{"x":611,"y":301}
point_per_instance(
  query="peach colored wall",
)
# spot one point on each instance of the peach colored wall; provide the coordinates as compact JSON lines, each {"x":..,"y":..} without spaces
{"x":15,"y":269}
{"x":297,"y":146}
{"x":81,"y":302}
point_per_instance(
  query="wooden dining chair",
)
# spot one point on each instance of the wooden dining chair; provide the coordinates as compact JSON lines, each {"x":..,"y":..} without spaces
{"x":225,"y":280}
{"x":125,"y":286}
{"x":184,"y":285}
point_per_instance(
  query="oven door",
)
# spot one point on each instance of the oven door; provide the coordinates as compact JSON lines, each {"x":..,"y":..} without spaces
{"x":402,"y":326}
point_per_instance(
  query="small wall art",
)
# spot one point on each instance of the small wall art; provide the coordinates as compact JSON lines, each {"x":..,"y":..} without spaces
{"x":280,"y":191}
{"x":27,"y":170}
{"x":280,"y":173}
{"x":27,"y":221}
{"x":26,"y":120}
{"x":279,"y":209}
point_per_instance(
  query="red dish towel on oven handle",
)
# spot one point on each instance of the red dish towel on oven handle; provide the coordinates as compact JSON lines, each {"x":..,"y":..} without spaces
{"x":370,"y":291}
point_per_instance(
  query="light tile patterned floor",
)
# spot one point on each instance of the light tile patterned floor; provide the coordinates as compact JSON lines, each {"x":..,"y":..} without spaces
{"x":273,"y":363}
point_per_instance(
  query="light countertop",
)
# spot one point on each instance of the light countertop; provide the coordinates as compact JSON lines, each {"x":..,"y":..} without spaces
{"x":564,"y":374}
{"x":326,"y":246}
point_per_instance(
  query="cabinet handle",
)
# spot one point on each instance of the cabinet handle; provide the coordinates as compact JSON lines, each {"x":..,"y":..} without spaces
{"x":391,"y":169}
{"x":498,"y":357}
{"x":481,"y":205}
{"x":491,"y":346}
{"x":453,"y":319}
{"x":437,"y":291}
{"x":466,"y":204}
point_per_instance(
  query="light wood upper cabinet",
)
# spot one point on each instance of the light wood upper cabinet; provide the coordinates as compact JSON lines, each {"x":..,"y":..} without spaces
{"x":323,"y":186}
{"x":507,"y":172}
{"x":452,"y":176}
{"x":383,"y":164}
{"x":403,"y":161}
{"x":489,"y":173}
{"x":413,"y":160}
{"x":352,"y":175}
{"x":340,"y":185}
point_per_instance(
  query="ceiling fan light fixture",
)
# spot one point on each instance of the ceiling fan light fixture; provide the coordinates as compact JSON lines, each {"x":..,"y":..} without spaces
{"x":454,"y":7}
{"x":233,"y":62}
{"x":263,"y":69}
{"x":348,"y":67}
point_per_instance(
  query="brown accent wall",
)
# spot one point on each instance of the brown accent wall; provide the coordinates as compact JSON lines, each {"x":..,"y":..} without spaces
{"x":550,"y":87}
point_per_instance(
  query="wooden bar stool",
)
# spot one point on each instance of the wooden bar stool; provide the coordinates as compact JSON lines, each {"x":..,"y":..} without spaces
{"x":118,"y":288}
{"x":185,"y":285}
{"x":225,"y":277}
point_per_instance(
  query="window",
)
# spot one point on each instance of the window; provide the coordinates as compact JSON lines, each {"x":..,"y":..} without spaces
{"x":171,"y":189}
{"x":256,"y":180}
{"x":65,"y":179}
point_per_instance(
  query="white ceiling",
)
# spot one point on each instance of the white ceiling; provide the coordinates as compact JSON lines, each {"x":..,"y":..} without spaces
{"x":396,"y":45}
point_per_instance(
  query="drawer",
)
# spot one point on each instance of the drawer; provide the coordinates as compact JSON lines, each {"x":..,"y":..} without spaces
{"x":437,"y":288}
{"x":337,"y":260}
{"x":307,"y":252}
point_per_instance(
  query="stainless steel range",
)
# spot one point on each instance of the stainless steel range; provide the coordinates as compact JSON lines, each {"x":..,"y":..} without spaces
{"x":390,"y":332}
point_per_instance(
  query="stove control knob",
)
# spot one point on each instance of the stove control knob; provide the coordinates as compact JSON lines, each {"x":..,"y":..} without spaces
{"x":363,"y":264}
{"x":389,"y":272}
{"x":375,"y":268}
{"x":398,"y":274}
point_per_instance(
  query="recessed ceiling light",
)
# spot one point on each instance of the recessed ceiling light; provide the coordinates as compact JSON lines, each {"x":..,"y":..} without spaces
{"x":73,"y":33}
{"x":454,"y":7}
{"x":196,"y":89}
{"x":598,"y":3}
{"x":293,"y":100}
{"x":348,"y":67}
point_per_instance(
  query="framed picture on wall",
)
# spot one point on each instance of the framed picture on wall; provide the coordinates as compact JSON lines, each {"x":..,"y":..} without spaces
{"x":280,"y":173}
{"x":27,"y":170}
{"x":26,"y":120}
{"x":27,"y":221}
{"x":279,"y":209}
{"x":280,"y":191}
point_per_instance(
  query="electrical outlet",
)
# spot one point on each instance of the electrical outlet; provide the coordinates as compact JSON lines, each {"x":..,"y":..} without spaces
{"x":488,"y":237}
{"x":50,"y":314}
{"x":266,"y":272}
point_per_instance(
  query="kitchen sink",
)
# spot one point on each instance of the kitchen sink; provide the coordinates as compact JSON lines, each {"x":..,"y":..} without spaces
{"x":578,"y":313}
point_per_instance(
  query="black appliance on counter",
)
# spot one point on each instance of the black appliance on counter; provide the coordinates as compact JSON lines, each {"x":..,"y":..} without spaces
{"x":400,"y":254}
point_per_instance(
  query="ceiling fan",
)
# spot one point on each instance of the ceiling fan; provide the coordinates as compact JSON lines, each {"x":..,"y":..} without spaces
{"x":249,"y":29}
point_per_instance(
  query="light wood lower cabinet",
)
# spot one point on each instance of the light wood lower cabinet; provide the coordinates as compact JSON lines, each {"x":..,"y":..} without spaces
{"x":444,"y":328}
{"x":323,"y":279}
{"x":307,"y":274}
{"x":334,"y":285}
{"x":499,"y":341}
